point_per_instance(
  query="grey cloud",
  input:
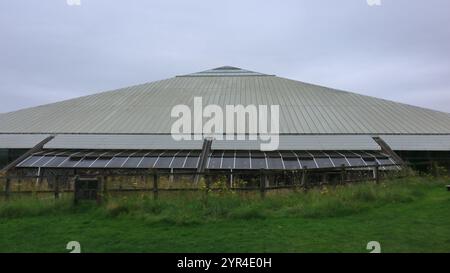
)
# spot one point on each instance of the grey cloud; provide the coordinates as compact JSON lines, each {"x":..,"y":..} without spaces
{"x":51,"y":51}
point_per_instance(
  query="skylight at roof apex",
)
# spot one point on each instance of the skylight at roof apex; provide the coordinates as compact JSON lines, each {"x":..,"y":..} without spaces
{"x":227,"y":68}
{"x":224,"y":71}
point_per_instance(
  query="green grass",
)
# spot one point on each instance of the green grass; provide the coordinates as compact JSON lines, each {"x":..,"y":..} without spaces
{"x":404,"y":215}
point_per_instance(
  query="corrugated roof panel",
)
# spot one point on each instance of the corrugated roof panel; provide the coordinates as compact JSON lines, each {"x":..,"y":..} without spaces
{"x":304,"y":108}
{"x":418,"y":142}
{"x":305,"y":142}
{"x":224,"y":71}
{"x":121,"y":142}
{"x":149,"y":142}
{"x":10,"y":141}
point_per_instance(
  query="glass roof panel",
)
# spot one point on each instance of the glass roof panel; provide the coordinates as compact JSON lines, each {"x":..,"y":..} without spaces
{"x":117,"y":162}
{"x":191,"y":162}
{"x":147,"y":162}
{"x":55,"y":162}
{"x":291,"y":164}
{"x":258,"y":163}
{"x":132,"y":162}
{"x":178,"y":162}
{"x":338,"y":162}
{"x":179,"y":159}
{"x":228,"y":163}
{"x":324,"y":162}
{"x":214,"y":163}
{"x":85,"y":163}
{"x":42,"y":161}
{"x":275,"y":163}
{"x":308,"y":163}
{"x":163,"y":162}
{"x":30,"y":160}
{"x":100,"y":163}
{"x":356,"y":161}
{"x":242,"y":163}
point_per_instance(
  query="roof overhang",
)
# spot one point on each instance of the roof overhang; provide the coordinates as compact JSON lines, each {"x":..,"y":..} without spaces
{"x":286,"y":142}
{"x":166,"y":142}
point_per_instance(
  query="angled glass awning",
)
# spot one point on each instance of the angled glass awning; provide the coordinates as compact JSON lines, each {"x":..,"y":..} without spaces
{"x":217,"y":159}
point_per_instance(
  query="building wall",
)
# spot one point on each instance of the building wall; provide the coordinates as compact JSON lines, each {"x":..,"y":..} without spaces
{"x":423,"y":160}
{"x":3,"y":157}
{"x":9,"y":155}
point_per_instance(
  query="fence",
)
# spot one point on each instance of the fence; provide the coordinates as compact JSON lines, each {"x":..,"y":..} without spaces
{"x":57,"y":182}
{"x":156,"y":181}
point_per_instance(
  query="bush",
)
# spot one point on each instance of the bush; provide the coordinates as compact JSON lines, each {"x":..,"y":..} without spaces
{"x":29,"y":207}
{"x":190,"y":209}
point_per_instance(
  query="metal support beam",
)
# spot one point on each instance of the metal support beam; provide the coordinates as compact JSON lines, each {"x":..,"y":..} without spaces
{"x":387,"y":149}
{"x":33,"y":150}
{"x":206,"y":149}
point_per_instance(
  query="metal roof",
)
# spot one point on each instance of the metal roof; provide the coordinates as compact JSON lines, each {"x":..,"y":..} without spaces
{"x":225,"y":71}
{"x":150,"y":142}
{"x":118,"y":142}
{"x":18,"y":141}
{"x":418,"y":142}
{"x":304,"y":108}
{"x":306,"y":142}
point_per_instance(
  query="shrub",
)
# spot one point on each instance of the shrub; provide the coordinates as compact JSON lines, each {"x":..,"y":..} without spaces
{"x":190,"y":208}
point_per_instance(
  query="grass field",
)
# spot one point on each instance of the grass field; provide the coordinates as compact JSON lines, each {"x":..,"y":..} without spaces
{"x":404,"y":215}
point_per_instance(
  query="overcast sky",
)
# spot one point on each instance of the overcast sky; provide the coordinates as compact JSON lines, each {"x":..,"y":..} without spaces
{"x":51,"y":51}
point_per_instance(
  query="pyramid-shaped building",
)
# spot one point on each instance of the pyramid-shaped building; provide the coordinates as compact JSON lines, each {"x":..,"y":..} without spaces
{"x":130,"y":128}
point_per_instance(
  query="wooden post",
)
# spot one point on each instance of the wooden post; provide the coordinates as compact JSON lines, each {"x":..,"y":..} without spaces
{"x":343,"y":174}
{"x":105,"y":184}
{"x":171,"y":178}
{"x":262,"y":183}
{"x":100,"y":182}
{"x":377,"y":173}
{"x":75,"y":190}
{"x":57,"y":178}
{"x":69,"y":184}
{"x":231,"y":178}
{"x":304,"y":177}
{"x":208,"y":187}
{"x":208,"y":182}
{"x":434,"y":169}
{"x":155,"y":185}
{"x":7,"y":188}
{"x":324,"y":178}
{"x":38,"y":179}
{"x":293,"y":178}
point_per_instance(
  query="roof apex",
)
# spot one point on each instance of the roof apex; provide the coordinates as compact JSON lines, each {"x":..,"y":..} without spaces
{"x":224,"y":71}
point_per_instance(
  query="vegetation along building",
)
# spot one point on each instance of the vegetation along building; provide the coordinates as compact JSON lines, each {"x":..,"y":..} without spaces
{"x":129,"y":130}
